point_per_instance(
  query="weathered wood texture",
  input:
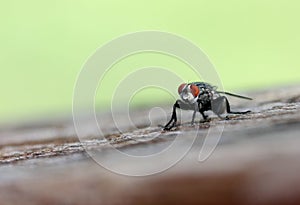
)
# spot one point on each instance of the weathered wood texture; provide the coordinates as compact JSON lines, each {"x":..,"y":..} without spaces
{"x":257,"y":160}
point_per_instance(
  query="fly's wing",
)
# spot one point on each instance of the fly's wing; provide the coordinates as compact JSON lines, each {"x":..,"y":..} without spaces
{"x":206,"y":88}
{"x":235,"y":95}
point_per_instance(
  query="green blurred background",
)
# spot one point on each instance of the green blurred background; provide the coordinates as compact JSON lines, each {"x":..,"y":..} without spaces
{"x":252,"y":43}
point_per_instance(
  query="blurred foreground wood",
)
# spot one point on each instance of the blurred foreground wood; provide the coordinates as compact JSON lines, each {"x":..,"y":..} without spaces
{"x":257,"y":160}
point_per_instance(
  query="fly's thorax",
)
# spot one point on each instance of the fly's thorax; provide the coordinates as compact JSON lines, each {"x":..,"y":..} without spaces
{"x":206,"y":96}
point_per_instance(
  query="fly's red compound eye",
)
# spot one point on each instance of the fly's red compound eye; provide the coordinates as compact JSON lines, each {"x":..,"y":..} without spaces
{"x":180,"y":88}
{"x":195,"y":90}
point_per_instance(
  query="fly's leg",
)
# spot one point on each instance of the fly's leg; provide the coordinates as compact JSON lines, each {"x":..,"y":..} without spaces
{"x":205,"y":117}
{"x":178,"y":104}
{"x":194,"y":113}
{"x":221,"y":105}
{"x":202,"y":110}
{"x":234,"y":112}
{"x":173,"y":119}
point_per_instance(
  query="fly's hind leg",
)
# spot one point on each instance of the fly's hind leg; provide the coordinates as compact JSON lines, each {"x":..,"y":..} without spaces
{"x":234,"y":112}
{"x":221,"y":105}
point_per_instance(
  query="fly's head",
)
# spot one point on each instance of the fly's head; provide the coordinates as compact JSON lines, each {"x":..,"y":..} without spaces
{"x":188,"y":93}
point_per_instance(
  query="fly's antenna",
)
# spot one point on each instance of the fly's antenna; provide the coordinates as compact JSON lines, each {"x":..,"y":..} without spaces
{"x":235,"y":95}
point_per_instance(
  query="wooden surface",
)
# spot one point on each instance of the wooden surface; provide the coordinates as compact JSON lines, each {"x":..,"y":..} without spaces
{"x":257,"y":160}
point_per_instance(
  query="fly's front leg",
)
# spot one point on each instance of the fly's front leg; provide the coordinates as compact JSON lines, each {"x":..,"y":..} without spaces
{"x":173,"y":119}
{"x":178,"y":104}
